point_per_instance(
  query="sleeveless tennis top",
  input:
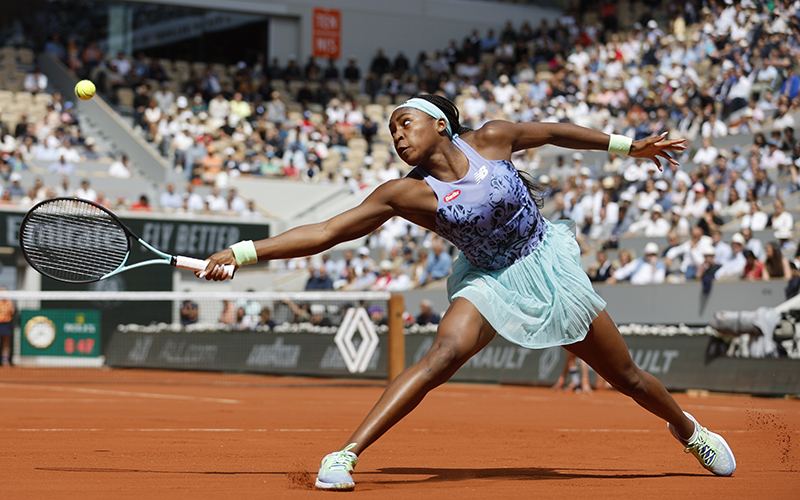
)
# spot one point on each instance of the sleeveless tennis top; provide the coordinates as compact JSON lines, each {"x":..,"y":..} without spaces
{"x":489,"y":213}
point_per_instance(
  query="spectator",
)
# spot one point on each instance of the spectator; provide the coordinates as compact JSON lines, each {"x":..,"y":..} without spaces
{"x":776,"y":266}
{"x":150,"y":118}
{"x":265,"y":318}
{"x":427,"y":316}
{"x":733,"y":267}
{"x":438,"y":266}
{"x":236,"y":203}
{"x":709,"y":269}
{"x":7,"y":310}
{"x":656,"y":226}
{"x":63,"y":190}
{"x":193,"y":201}
{"x":755,"y":220}
{"x":722,"y":251}
{"x":55,"y":48}
{"x":690,"y":253}
{"x":169,"y":199}
{"x":781,"y":220}
{"x":120,"y":169}
{"x":228,"y":315}
{"x":647,"y":270}
{"x":245,"y":321}
{"x":385,"y":277}
{"x":85,"y":191}
{"x":215,"y":201}
{"x":754,"y":269}
{"x":143,"y":205}
{"x":753,"y":244}
{"x":189,"y":312}
{"x":377,"y":315}
{"x":319,"y":279}
{"x":122,"y":64}
{"x":35,"y":81}
{"x":351,"y":73}
{"x":210,"y":166}
{"x":15,"y":189}
{"x":164,"y":97}
{"x":707,"y":154}
{"x":602,"y":269}
{"x":62,"y":167}
{"x":240,"y":108}
{"x":276,"y":109}
{"x":791,"y":84}
{"x":219,"y":108}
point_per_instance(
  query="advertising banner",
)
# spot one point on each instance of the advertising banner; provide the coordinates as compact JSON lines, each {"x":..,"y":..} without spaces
{"x":327,"y":33}
{"x":681,"y":362}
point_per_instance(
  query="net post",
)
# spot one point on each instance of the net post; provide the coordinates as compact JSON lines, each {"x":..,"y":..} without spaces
{"x":396,"y":342}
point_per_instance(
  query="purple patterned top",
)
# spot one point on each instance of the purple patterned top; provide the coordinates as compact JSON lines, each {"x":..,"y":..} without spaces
{"x":488,"y":214}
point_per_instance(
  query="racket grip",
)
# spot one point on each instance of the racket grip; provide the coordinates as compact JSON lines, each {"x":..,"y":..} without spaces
{"x":198,"y":265}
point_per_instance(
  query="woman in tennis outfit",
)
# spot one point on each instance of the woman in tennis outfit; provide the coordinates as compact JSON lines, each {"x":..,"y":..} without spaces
{"x":517,"y":275}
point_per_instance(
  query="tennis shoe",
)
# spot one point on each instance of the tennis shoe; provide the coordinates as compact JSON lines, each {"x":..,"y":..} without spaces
{"x":710,"y":449}
{"x":335,"y":469}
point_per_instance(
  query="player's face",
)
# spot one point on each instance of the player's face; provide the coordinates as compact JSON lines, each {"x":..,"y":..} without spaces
{"x":414,"y":133}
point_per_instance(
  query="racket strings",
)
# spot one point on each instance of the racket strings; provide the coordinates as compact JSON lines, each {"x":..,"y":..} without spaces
{"x":73,"y":240}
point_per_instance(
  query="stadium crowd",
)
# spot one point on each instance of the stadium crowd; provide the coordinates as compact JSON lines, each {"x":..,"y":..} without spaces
{"x":715,"y":69}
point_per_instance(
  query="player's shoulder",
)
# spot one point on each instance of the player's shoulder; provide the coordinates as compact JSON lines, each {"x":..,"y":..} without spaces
{"x":402,"y":186}
{"x":491,"y":132}
{"x":409,"y":194}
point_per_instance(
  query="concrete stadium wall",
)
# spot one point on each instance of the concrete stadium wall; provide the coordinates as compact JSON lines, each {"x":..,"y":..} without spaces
{"x":409,"y":26}
{"x":657,"y":304}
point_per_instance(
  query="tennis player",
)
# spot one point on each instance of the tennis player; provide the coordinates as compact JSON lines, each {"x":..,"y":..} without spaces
{"x":517,"y":275}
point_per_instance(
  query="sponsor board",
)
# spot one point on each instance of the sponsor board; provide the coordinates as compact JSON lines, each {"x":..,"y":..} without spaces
{"x":256,"y":352}
{"x":680,"y":362}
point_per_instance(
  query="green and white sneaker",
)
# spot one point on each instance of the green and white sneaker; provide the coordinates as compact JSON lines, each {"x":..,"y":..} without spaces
{"x":709,"y":448}
{"x":334,"y":472}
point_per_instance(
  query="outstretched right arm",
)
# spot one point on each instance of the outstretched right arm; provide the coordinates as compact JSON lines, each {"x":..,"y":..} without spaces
{"x":314,"y":238}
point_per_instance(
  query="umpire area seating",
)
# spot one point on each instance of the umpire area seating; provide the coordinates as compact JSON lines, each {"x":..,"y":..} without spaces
{"x":111,"y":187}
{"x":11,"y":76}
{"x":14,"y":104}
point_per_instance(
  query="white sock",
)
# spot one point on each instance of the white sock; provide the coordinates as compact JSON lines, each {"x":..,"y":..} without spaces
{"x":696,"y":426}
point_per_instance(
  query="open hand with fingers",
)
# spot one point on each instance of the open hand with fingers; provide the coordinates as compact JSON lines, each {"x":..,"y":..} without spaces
{"x":654,"y":147}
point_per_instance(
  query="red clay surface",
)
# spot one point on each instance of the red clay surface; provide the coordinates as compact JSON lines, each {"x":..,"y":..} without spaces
{"x":142,"y":434}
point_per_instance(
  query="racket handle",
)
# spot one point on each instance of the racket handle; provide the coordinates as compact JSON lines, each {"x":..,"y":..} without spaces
{"x":198,"y":265}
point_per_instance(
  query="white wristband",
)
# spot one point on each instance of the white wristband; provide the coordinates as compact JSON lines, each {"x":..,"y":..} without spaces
{"x":619,"y":144}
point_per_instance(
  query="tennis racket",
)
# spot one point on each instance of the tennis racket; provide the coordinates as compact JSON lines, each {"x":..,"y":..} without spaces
{"x":78,"y":241}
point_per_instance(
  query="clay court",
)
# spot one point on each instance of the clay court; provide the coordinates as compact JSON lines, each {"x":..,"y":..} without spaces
{"x":150,"y":434}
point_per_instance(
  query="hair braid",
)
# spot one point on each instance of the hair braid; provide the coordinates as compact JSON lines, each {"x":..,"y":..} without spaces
{"x":449,"y":109}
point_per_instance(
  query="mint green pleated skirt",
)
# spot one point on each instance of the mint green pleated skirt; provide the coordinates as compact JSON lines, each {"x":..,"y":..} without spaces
{"x":544,"y":300}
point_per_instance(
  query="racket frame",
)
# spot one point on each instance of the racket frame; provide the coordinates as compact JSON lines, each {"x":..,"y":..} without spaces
{"x":165,"y":258}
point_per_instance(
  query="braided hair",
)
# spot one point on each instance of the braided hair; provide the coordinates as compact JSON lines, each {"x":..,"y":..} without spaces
{"x":450,"y":111}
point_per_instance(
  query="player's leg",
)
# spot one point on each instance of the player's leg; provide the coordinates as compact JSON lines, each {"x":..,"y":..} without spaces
{"x":6,"y":349}
{"x":586,"y":386}
{"x":606,"y":352}
{"x":461,"y":334}
{"x":559,"y":385}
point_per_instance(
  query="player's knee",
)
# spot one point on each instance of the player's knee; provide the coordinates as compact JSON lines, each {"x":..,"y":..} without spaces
{"x":443,"y":359}
{"x":630,"y":381}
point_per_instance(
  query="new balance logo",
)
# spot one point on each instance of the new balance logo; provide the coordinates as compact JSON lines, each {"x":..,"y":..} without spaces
{"x":481,"y":174}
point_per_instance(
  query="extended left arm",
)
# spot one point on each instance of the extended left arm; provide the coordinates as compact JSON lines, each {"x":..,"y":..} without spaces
{"x":519,"y":136}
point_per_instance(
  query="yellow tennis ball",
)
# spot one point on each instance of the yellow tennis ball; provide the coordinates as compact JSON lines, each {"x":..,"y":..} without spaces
{"x":84,"y":90}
